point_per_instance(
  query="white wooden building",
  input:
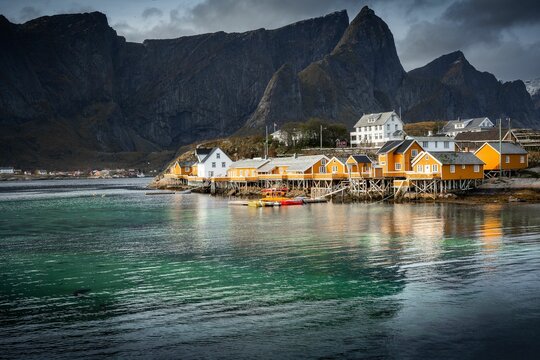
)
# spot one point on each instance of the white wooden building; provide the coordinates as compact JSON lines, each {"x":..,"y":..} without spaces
{"x":377,"y":129}
{"x":212,"y":162}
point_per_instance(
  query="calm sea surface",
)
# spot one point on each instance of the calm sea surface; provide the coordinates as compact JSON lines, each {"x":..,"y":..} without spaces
{"x":95,"y":268}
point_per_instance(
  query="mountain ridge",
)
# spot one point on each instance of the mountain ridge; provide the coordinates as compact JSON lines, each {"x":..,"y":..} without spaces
{"x":74,"y":89}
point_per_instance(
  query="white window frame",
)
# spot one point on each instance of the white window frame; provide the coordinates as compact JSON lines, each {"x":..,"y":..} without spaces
{"x":323,"y":162}
{"x":426,"y":169}
{"x":213,"y":165}
{"x":507,"y":159}
{"x":241,"y":172}
{"x":334,"y":168}
{"x":420,"y":168}
{"x":435,"y":168}
{"x":453,"y":169}
{"x":522,"y":159}
{"x":322,"y":169}
{"x":223,"y":164}
{"x":476,"y":168}
{"x":397,"y":166}
{"x":218,"y":155}
{"x":463,"y":166}
{"x":414,"y":153}
{"x":211,"y":174}
{"x":447,"y":144}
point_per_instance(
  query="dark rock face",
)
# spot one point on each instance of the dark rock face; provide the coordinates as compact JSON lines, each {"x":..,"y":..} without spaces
{"x":459,"y":90}
{"x":363,"y":74}
{"x":73,"y":76}
{"x":72,"y":88}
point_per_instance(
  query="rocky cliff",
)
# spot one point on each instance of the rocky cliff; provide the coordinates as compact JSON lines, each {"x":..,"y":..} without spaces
{"x":363,"y":74}
{"x":72,"y":89}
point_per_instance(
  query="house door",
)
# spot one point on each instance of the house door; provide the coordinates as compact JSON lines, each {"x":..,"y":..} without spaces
{"x":426,"y":168}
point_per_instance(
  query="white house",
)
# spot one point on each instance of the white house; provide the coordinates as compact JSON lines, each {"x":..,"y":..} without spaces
{"x":7,"y":170}
{"x":435,"y":143}
{"x":284,"y":137}
{"x":377,"y":129}
{"x":454,"y":127}
{"x":212,"y":162}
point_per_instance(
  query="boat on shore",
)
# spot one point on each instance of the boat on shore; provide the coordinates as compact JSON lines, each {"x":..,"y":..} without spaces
{"x":275,"y":197}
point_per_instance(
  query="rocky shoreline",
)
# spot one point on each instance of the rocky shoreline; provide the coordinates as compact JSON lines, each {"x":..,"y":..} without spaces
{"x":506,"y":190}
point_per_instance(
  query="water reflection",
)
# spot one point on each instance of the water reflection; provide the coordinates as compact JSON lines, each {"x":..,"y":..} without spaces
{"x":196,"y":276}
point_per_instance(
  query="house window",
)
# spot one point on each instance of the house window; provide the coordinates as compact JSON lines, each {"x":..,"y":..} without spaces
{"x":186,"y":169}
{"x":507,"y":159}
{"x":388,"y":127}
{"x":223,"y":164}
{"x":396,"y":127}
{"x":425,"y":144}
{"x":323,"y":162}
{"x":419,"y":168}
{"x":334,"y":169}
{"x":241,"y":172}
{"x":452,"y":168}
{"x":476,"y":168}
{"x":213,"y":164}
{"x":383,"y":162}
{"x":522,"y":159}
{"x":447,"y":145}
{"x":435,"y":168}
{"x":397,"y":166}
{"x":463,"y":166}
{"x":436,"y":144}
{"x":414,"y":153}
{"x":322,"y":169}
{"x":211,"y":174}
{"x":218,"y":155}
{"x":426,"y":157}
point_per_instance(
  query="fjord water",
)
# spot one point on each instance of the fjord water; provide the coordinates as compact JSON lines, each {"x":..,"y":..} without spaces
{"x":96,"y":268}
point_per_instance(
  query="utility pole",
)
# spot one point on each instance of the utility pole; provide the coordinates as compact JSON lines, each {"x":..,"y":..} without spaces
{"x":266,"y":143}
{"x":321,"y":137}
{"x":500,"y":148}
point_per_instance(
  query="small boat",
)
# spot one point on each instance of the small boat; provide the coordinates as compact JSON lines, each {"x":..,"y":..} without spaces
{"x":275,"y":196}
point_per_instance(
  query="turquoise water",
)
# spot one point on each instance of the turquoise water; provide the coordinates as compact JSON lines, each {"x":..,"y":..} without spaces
{"x":95,"y":268}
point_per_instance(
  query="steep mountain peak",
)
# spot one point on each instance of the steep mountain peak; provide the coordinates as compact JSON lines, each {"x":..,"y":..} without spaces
{"x":446,"y":66}
{"x":369,"y":41}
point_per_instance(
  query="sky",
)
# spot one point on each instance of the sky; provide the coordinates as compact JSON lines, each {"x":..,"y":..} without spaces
{"x":499,"y":36}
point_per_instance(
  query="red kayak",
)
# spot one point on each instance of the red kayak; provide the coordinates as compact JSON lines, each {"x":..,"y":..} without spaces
{"x":291,"y":202}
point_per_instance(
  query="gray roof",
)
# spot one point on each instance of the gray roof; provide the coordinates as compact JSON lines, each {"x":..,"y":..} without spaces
{"x":432,"y":138}
{"x":186,"y":163}
{"x":456,"y":158}
{"x":389,"y":145}
{"x":341,"y":159}
{"x":249,"y":163}
{"x":508,"y":148}
{"x":375,"y":119}
{"x":470,"y":125}
{"x":294,"y":164}
{"x":404,"y":146}
{"x":362,"y":159}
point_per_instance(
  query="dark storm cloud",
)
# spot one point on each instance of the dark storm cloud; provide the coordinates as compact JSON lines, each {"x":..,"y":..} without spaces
{"x":28,"y":13}
{"x":496,"y":35}
{"x":153,"y":11}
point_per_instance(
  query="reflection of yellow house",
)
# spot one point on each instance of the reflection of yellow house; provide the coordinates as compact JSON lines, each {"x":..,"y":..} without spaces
{"x":446,"y":166}
{"x":395,"y":156}
{"x":491,"y":231}
{"x":245,"y":169}
{"x":360,"y":166}
{"x":512,"y":156}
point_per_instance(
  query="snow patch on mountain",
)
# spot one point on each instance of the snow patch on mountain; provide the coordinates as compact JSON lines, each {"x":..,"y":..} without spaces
{"x":533,"y":86}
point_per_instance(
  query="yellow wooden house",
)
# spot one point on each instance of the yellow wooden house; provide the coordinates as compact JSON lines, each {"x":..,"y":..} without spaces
{"x":395,"y":156}
{"x":512,"y":156}
{"x":246,"y":170}
{"x":360,"y":166}
{"x":337,"y":167}
{"x":446,"y":166}
{"x":182,"y":169}
{"x":294,"y":168}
